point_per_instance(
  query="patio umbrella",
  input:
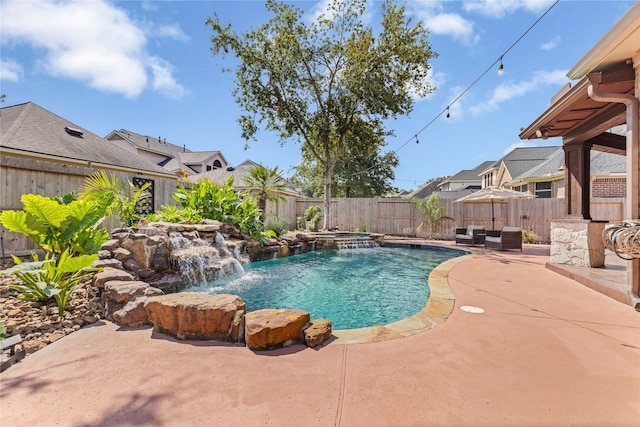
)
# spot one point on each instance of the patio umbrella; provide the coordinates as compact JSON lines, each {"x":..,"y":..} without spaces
{"x":494,"y":193}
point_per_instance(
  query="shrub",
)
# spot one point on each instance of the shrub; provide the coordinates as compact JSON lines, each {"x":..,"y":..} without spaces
{"x":528,"y":236}
{"x":51,"y":278}
{"x":207,"y":200}
{"x":278,"y":224}
{"x":433,"y":212}
{"x":312,"y":217}
{"x":57,"y":227}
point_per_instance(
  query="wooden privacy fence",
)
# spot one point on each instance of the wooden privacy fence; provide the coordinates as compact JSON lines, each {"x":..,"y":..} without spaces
{"x":26,"y":176}
{"x":401,"y":217}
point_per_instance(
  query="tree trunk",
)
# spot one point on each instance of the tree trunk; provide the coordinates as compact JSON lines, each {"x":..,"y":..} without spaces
{"x":326,"y":211}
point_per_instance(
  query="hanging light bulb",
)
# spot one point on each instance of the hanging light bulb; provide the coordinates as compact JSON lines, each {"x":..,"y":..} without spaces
{"x":501,"y":67}
{"x":448,"y":116}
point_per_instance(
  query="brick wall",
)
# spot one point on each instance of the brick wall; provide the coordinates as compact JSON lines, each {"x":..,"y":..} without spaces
{"x":609,"y":187}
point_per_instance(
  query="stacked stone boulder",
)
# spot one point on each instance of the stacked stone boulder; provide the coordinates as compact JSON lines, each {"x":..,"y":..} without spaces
{"x":141,"y":276}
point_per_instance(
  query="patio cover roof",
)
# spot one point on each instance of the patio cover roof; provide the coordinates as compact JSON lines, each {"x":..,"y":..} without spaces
{"x":573,"y":115}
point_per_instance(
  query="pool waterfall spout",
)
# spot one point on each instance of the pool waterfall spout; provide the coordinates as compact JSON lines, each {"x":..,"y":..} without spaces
{"x":199,"y":262}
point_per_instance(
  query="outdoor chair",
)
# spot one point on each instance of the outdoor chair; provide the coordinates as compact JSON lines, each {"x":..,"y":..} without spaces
{"x":472,"y":235}
{"x":507,"y":238}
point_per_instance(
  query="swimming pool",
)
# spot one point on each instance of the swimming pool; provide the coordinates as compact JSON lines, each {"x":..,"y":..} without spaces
{"x":353,"y":288}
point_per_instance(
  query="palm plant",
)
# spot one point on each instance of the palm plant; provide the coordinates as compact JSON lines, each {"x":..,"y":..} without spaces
{"x":266,"y":185}
{"x":124,"y":197}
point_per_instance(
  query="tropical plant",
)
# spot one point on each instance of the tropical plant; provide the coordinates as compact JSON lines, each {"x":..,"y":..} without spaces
{"x":312,"y":217}
{"x":267,"y":185}
{"x":210,"y":201}
{"x":432,"y":210}
{"x":117,"y":195}
{"x":278,"y":224}
{"x":172,"y":213}
{"x":51,"y":278}
{"x":328,"y":82}
{"x":57,"y":227}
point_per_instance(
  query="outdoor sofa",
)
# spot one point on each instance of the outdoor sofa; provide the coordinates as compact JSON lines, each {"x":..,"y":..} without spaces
{"x":507,"y":238}
{"x":472,"y":235}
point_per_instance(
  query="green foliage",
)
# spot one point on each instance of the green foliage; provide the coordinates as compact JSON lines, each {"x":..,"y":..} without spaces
{"x":115,"y":195}
{"x":528,"y":236}
{"x":278,"y":224}
{"x":206,"y":200}
{"x":361,"y":172}
{"x":300,"y":223}
{"x":3,"y":330}
{"x":267,"y":185}
{"x":432,"y":210}
{"x":312,"y":217}
{"x":51,"y":278}
{"x":57,"y":227}
{"x":172,"y":213}
{"x":327,"y":83}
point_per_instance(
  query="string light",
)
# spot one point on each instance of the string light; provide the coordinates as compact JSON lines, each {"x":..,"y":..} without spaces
{"x":500,"y":72}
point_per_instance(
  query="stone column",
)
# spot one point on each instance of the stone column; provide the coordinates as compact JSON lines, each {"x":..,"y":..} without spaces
{"x":577,"y":242}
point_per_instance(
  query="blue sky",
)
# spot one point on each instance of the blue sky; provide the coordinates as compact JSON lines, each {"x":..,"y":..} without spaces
{"x":146,"y":66}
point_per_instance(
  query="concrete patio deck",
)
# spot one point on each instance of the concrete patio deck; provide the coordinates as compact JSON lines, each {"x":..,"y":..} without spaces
{"x":547,"y":351}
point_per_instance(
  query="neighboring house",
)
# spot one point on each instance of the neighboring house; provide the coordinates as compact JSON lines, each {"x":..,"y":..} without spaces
{"x":466,"y":178}
{"x":220,"y":176}
{"x":425,"y":190}
{"x":43,"y":153}
{"x":608,"y":176}
{"x":515,"y":163}
{"x":171,"y":157}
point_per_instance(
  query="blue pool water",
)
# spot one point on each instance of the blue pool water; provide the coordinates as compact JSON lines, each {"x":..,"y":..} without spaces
{"x":353,"y":288}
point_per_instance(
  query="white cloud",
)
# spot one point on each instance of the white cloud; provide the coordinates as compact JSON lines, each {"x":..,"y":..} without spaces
{"x":10,"y":70}
{"x":501,"y":8}
{"x":163,"y":80}
{"x":322,"y":7}
{"x":172,"y":31}
{"x":93,"y":42}
{"x":521,"y":144}
{"x":507,"y":91}
{"x":447,"y":24}
{"x":551,"y":44}
{"x":453,"y":25}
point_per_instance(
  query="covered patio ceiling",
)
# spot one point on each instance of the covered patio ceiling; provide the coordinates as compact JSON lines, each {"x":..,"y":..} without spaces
{"x":576,"y":117}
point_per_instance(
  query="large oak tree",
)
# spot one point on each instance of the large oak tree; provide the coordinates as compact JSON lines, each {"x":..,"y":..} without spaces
{"x":323,"y":83}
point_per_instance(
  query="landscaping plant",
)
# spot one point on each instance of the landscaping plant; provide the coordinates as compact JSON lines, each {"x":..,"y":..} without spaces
{"x":210,"y":201}
{"x":57,"y":226}
{"x":432,"y":210}
{"x":312,"y":217}
{"x":116,"y":195}
{"x":278,"y":224}
{"x":54,"y":277}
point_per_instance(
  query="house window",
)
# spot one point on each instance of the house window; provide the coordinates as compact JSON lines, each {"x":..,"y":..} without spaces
{"x":543,"y":189}
{"x":145,"y":204}
{"x":521,"y":188}
{"x":208,"y":167}
{"x":217,"y":164}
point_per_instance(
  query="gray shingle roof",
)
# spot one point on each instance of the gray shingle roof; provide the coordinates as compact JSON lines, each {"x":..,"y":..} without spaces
{"x":472,"y":174}
{"x":33,"y":129}
{"x":521,"y":160}
{"x":601,"y":163}
{"x":150,"y":143}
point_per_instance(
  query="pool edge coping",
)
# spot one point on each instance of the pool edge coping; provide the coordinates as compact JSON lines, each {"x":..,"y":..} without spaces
{"x":437,"y":310}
